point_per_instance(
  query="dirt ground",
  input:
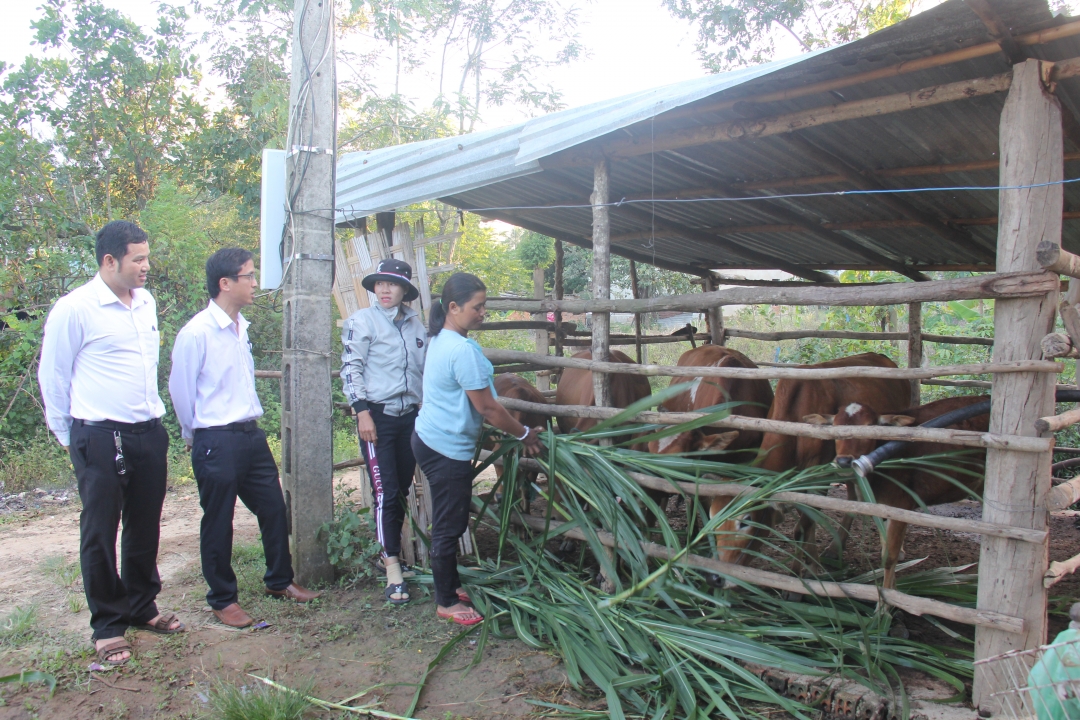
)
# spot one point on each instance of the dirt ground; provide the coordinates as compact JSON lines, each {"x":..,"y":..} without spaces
{"x":346,"y":642}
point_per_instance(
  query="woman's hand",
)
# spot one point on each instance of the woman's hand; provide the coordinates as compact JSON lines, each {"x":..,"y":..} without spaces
{"x":533,"y":445}
{"x":366,"y":427}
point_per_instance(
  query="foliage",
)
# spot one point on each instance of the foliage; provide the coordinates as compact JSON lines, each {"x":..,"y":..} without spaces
{"x":37,"y":462}
{"x":733,"y":33}
{"x":533,"y":249}
{"x":666,"y":643}
{"x":350,"y":538}
{"x":259,"y":702}
{"x":29,"y":677}
{"x":18,"y":626}
{"x":652,"y":281}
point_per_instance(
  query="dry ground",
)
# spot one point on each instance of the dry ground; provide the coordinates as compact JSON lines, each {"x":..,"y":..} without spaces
{"x":348,"y":641}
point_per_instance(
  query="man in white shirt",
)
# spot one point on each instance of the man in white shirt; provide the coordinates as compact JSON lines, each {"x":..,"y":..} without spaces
{"x":98,"y":376}
{"x":213,"y":391}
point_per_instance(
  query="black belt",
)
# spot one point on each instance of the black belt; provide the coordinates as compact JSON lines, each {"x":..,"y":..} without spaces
{"x":245,"y":426}
{"x":139,"y":427}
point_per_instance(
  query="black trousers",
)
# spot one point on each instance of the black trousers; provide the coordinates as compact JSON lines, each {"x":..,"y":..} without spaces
{"x":450,"y":482}
{"x":109,"y":499}
{"x":390,"y":466}
{"x":229,"y":464}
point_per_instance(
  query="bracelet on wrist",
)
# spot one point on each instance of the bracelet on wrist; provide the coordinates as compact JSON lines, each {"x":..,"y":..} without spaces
{"x":527,"y":431}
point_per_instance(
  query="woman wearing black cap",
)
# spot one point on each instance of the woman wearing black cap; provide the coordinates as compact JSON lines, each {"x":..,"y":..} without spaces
{"x":382,"y":366}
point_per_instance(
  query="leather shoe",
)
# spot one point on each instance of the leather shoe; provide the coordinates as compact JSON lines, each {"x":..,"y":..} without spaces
{"x":233,"y":616}
{"x":294,"y":592}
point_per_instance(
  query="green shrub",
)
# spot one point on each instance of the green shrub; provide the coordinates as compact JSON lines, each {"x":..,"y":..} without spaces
{"x":258,"y":702}
{"x":39,"y":462}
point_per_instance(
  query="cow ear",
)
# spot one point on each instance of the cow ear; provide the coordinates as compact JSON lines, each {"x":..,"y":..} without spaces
{"x":816,"y":419}
{"x":719,"y":441}
{"x":896,"y":420}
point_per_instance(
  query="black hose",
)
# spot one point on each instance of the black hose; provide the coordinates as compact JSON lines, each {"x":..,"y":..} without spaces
{"x":865,"y":465}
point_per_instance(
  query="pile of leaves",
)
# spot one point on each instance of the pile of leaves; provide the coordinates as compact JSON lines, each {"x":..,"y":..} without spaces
{"x":668,"y":642}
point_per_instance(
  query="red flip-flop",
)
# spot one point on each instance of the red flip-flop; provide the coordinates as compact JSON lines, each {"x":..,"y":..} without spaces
{"x":463,"y":596}
{"x":461,"y":617}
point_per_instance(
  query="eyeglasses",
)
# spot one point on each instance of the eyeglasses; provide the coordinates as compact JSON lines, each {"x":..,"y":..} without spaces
{"x":250,"y":276}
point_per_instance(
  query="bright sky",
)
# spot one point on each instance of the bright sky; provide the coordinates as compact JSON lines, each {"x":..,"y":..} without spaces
{"x":632,"y":45}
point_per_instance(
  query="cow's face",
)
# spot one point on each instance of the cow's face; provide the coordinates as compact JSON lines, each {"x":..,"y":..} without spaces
{"x":847,"y":449}
{"x":737,"y":536}
{"x":692,"y":441}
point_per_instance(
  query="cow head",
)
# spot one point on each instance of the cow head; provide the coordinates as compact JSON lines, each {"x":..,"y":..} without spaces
{"x":847,"y":449}
{"x":736,"y":537}
{"x":693,"y":441}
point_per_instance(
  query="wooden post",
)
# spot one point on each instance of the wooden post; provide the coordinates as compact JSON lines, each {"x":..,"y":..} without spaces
{"x":558,"y":290}
{"x":714,"y":317}
{"x":601,"y":284}
{"x":1011,"y":572}
{"x":636,"y":291}
{"x":914,"y":348}
{"x":541,"y":335}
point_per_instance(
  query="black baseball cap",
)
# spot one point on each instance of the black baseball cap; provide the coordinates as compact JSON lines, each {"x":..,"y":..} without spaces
{"x":396,"y":271}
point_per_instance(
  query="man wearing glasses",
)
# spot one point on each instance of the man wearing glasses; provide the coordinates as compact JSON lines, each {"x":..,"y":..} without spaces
{"x":98,"y":376}
{"x":213,"y":391}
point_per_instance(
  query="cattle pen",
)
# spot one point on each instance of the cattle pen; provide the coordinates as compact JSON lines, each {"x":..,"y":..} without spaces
{"x":938,"y":145}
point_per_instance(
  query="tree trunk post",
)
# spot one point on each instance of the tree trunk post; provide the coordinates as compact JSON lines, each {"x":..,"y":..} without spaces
{"x":306,"y":410}
{"x":714,"y":317}
{"x":558,"y":291}
{"x":1011,"y":572}
{"x":636,"y":291}
{"x":915,"y":348}
{"x":601,"y":284}
{"x":542,"y":382}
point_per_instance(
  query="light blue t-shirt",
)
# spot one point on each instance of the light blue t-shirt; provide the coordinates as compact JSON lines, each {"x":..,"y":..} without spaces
{"x":448,"y":423}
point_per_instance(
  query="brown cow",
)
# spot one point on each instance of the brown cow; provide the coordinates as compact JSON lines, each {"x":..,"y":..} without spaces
{"x":576,"y":388}
{"x":794,"y":400}
{"x":512,"y":386}
{"x":901,"y":486}
{"x":755,"y":395}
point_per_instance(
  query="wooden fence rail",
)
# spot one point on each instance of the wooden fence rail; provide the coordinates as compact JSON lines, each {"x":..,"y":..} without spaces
{"x":624,"y":339}
{"x":911,"y":517}
{"x":764,"y":578}
{"x":991,"y":286}
{"x":965,"y":438}
{"x":502,"y":357}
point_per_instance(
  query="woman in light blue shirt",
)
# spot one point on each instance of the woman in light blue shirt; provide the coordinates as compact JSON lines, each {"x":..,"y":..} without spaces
{"x":459,"y":396}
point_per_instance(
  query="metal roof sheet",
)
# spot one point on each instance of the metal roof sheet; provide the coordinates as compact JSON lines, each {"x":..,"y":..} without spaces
{"x":519,"y":166}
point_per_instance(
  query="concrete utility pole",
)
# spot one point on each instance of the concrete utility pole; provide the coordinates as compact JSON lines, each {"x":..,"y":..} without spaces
{"x":306,"y":411}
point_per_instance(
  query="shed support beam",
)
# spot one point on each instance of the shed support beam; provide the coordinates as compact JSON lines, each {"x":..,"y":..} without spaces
{"x":601,"y":282}
{"x":915,"y":348}
{"x":714,"y":316}
{"x":541,"y":335}
{"x":557,"y":291}
{"x":903,"y":207}
{"x":1011,"y":573}
{"x":635,"y":290}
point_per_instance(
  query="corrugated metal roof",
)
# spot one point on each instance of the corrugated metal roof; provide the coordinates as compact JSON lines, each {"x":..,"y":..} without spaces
{"x":521,"y":165}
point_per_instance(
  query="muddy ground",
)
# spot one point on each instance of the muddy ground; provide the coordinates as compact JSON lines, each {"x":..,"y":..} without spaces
{"x":345,"y":642}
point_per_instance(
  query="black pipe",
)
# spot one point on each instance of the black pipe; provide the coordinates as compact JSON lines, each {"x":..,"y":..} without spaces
{"x":865,"y":465}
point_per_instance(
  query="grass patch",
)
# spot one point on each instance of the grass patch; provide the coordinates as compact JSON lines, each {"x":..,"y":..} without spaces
{"x":18,"y":626}
{"x":258,"y":702}
{"x":60,"y":570}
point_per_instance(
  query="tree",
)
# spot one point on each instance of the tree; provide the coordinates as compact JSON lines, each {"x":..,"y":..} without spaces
{"x":733,"y":33}
{"x":119,"y":100}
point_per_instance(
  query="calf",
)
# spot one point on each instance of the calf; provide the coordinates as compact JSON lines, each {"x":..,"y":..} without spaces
{"x":576,"y":388}
{"x":518,"y":388}
{"x":794,"y":400}
{"x":910,"y":488}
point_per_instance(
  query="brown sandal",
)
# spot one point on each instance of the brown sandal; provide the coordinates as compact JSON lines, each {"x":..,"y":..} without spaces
{"x":112,"y":649}
{"x":163,"y":626}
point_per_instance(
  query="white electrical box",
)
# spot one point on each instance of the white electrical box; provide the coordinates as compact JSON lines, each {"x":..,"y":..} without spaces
{"x":272,"y":217}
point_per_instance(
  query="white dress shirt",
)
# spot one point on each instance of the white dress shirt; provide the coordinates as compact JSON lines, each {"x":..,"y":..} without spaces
{"x":213,"y":375}
{"x":99,"y":359}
